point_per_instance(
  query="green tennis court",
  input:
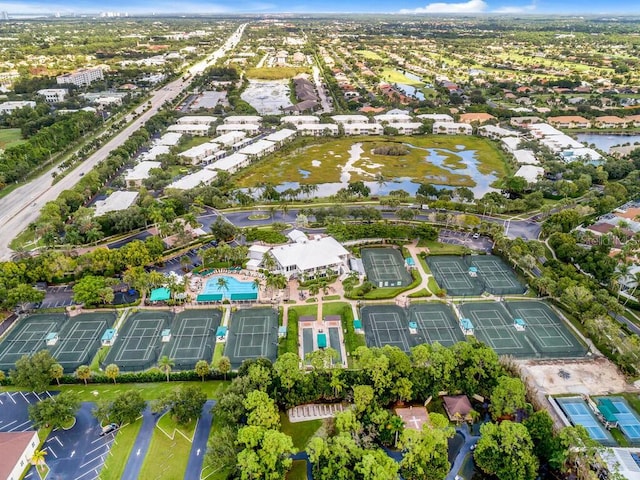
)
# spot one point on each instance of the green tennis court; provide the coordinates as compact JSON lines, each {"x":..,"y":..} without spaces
{"x":452,"y":273}
{"x":386,"y":325}
{"x":385,"y":267}
{"x":253,"y":333}
{"x":544,"y":336}
{"x":139,"y":342}
{"x":435,"y":323}
{"x":497,"y":277}
{"x":193,"y":338}
{"x":79,"y":339}
{"x":28,"y":337}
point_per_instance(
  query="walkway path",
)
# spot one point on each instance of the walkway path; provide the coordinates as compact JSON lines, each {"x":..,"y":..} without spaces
{"x":469,"y":441}
{"x":414,"y":251}
{"x":199,"y":445}
{"x":140,"y":447}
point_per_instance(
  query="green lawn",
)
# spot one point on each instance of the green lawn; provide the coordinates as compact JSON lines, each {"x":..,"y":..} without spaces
{"x":420,"y":293}
{"x":167,"y":458}
{"x":120,"y":450}
{"x":352,"y":340}
{"x":218,"y":352}
{"x":149,"y":391}
{"x":99,"y":357}
{"x":10,"y":137}
{"x":394,"y":76}
{"x":298,"y":471}
{"x":193,"y":142}
{"x":333,"y":154}
{"x":437,"y":248}
{"x":300,"y":432}
{"x":369,"y":55}
{"x":207,"y":471}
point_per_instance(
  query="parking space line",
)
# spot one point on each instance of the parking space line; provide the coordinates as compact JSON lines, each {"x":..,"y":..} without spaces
{"x":87,"y":473}
{"x":99,"y":457}
{"x":37,"y":396}
{"x":51,"y":450}
{"x":12,"y":399}
{"x":11,"y":423}
{"x":97,"y":448}
{"x":20,"y":426}
{"x":25,"y":398}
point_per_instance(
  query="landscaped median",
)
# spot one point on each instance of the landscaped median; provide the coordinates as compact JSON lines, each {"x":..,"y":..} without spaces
{"x":168,"y":452}
{"x":116,"y":462}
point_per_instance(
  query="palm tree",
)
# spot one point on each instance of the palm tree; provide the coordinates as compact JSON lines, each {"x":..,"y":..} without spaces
{"x":164,"y":364}
{"x":83,"y":372}
{"x":223,"y":284}
{"x":112,"y":371}
{"x":396,"y":425}
{"x":37,"y":458}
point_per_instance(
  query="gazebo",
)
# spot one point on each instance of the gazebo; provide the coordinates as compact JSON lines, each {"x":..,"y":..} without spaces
{"x":473,"y":271}
{"x":466,"y":326}
{"x":458,"y":407}
{"x":413,"y":328}
{"x":519,"y":324}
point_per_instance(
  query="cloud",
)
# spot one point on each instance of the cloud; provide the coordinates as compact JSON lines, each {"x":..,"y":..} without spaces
{"x":472,"y":6}
{"x":516,"y":9}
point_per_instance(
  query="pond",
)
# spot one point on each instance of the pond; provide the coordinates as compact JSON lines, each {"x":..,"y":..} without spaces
{"x":604,"y":141}
{"x":268,"y":97}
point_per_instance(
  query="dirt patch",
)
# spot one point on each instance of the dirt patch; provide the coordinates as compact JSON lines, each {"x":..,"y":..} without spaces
{"x":597,"y":376}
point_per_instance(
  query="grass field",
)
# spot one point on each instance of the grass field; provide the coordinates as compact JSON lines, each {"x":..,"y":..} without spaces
{"x":369,"y":55}
{"x":437,"y":248}
{"x":167,"y":457}
{"x":394,"y":76}
{"x":10,"y":137}
{"x":120,"y":450}
{"x":325,"y":161}
{"x":300,"y":432}
{"x":149,"y":391}
{"x":275,"y":73}
{"x":208,"y":472}
{"x":298,"y":471}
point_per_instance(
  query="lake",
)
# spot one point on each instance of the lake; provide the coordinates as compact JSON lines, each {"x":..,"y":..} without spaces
{"x":604,"y":141}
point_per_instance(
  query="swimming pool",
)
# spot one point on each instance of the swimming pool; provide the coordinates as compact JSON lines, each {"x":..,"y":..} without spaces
{"x":234,"y":290}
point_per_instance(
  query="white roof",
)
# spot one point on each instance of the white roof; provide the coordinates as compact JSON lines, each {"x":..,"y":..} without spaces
{"x":280,"y":135}
{"x":543,"y":129}
{"x":52,"y":91}
{"x":228,"y":163}
{"x":525,"y":156}
{"x":257,"y":148}
{"x":620,"y":460}
{"x":193,"y":180}
{"x":170,"y":139}
{"x":154,"y":151}
{"x":297,"y":236}
{"x":408,"y":125}
{"x":299,"y":119}
{"x":245,"y":127}
{"x":203,"y":149}
{"x":196,"y":120}
{"x":350,"y":119}
{"x":362,"y":126}
{"x":502,"y":132}
{"x":229,"y":138}
{"x":393,"y":118}
{"x":436,"y":117}
{"x":511,"y":142}
{"x":317,"y":127}
{"x":449,"y":126}
{"x":560,"y":142}
{"x":141,"y":170}
{"x":530,"y":173}
{"x":118,"y":200}
{"x":243,"y":119}
{"x":585,"y":153}
{"x":188,"y":128}
{"x":318,"y":253}
{"x":259,"y":248}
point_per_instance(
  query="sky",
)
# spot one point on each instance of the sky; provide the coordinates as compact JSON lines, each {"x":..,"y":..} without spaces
{"x":575,"y":7}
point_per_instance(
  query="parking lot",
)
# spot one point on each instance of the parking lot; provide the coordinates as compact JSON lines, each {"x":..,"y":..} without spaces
{"x":466,"y":239}
{"x":14,"y":414}
{"x":58,"y":296}
{"x":78,"y":453}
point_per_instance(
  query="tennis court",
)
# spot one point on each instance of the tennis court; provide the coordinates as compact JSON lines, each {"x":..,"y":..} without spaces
{"x":386,"y":325}
{"x":628,"y":420}
{"x":452,"y":274}
{"x":253,"y":333}
{"x":579,"y":413}
{"x":139,"y":342}
{"x":385,"y":267}
{"x":28,"y":337}
{"x":79,"y":339}
{"x":497,"y":277}
{"x":544,"y":336}
{"x":193,"y":338}
{"x":436,"y":323}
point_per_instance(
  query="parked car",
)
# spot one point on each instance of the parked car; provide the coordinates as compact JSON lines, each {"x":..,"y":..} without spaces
{"x":112,"y":427}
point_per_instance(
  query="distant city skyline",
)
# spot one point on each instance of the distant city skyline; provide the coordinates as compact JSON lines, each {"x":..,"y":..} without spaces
{"x":571,"y":7}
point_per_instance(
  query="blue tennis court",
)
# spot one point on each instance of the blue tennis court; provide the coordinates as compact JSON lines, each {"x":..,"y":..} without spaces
{"x":578,"y":412}
{"x":627,"y":419}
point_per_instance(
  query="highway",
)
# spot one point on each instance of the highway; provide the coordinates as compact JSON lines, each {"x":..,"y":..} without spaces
{"x":22,"y":206}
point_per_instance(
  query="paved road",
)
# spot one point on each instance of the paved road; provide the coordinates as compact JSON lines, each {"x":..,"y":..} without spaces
{"x":78,"y":453}
{"x":22,"y":206}
{"x":140,"y":447}
{"x":469,"y":441}
{"x":324,"y":101}
{"x":199,"y":446}
{"x":632,"y":326}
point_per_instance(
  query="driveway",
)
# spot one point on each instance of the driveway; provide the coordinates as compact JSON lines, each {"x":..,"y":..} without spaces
{"x":199,"y":445}
{"x":58,"y":296}
{"x":140,"y":447}
{"x":78,"y":453}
